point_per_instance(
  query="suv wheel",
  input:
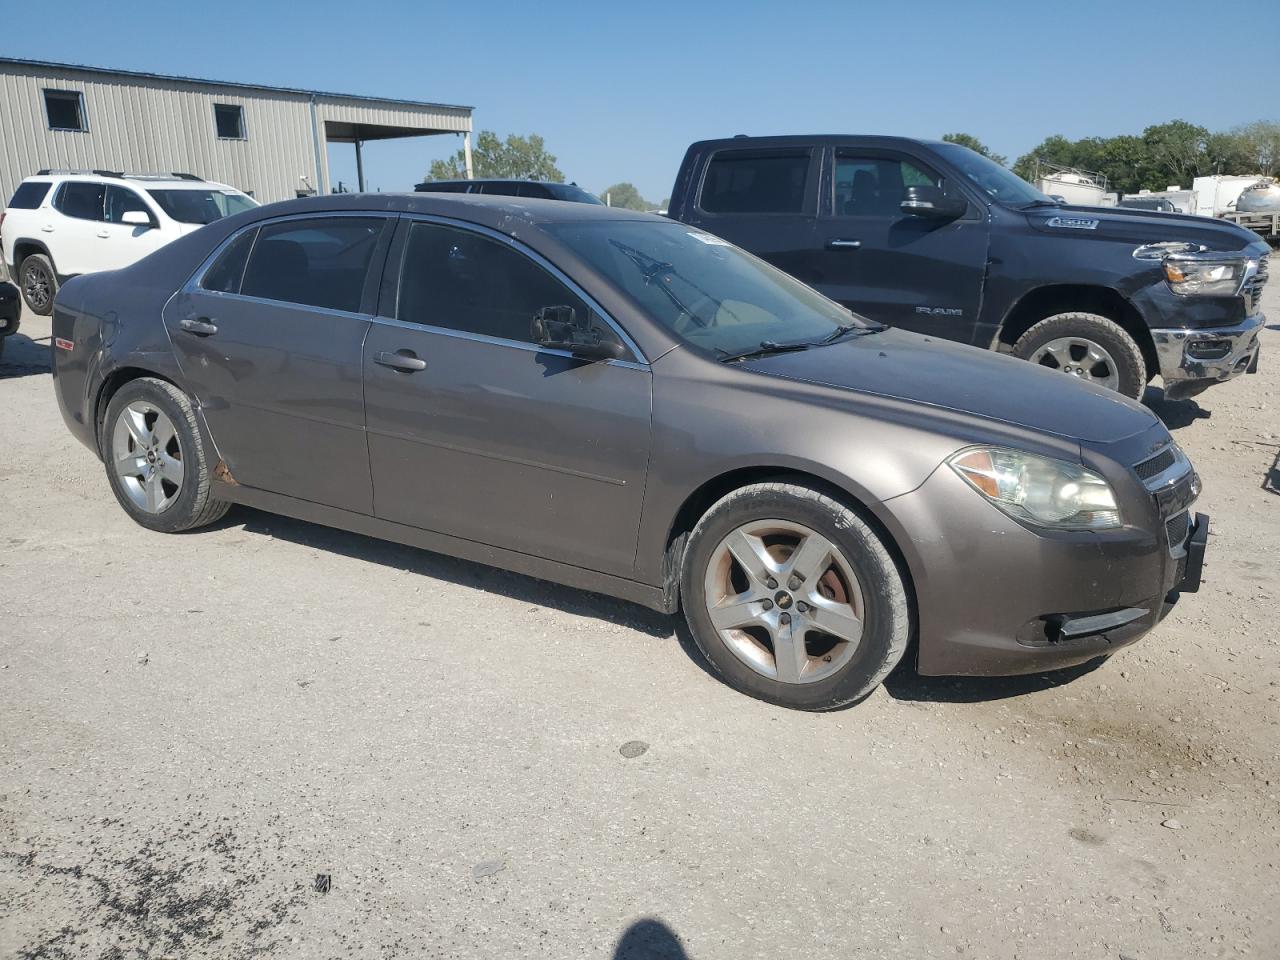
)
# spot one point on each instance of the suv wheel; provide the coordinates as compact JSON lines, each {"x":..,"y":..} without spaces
{"x":1087,"y":346}
{"x":156,"y":462}
{"x":793,"y":598}
{"x":39,"y":283}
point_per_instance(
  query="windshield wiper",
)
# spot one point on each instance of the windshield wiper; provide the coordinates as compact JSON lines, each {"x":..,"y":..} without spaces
{"x":766,"y":348}
{"x":847,"y":329}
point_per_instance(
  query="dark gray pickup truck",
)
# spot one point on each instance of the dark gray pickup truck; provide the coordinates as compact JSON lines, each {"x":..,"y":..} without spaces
{"x":935,"y":238}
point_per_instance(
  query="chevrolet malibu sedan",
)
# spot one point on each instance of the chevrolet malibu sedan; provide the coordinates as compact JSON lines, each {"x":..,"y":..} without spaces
{"x":628,"y":405}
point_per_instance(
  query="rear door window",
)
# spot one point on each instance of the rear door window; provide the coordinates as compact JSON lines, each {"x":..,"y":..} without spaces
{"x":317,"y":262}
{"x":29,"y":195}
{"x":227,"y":271}
{"x":84,"y":201}
{"x":743,"y":181}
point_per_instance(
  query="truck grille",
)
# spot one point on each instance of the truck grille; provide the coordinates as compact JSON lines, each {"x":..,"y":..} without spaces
{"x":1177,"y":528}
{"x":1157,"y":465}
{"x":1252,"y":290}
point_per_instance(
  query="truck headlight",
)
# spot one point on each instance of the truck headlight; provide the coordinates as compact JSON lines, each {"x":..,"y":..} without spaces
{"x":1039,"y":490}
{"x":1205,"y":278}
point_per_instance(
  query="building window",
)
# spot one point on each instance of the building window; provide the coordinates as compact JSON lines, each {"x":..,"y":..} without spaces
{"x":64,"y":109}
{"x":229,"y":119}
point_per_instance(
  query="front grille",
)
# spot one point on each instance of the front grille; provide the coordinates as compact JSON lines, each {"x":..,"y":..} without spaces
{"x":1157,"y":465}
{"x":1252,"y":291}
{"x":1177,"y":528}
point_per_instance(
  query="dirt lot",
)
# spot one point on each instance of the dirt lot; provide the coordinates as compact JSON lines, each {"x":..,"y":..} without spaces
{"x":195,"y":727}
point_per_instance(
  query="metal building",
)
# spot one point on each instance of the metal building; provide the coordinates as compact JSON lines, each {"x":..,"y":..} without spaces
{"x":267,"y":141}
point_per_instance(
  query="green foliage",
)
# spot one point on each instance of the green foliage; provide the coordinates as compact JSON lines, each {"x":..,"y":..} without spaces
{"x":1164,"y":154}
{"x":520,"y":158}
{"x":976,"y":145}
{"x":625,"y":195}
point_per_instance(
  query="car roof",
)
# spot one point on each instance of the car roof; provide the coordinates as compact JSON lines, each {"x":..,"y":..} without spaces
{"x":166,"y":180}
{"x":497,"y":212}
{"x":807,"y":140}
{"x":545,"y":183}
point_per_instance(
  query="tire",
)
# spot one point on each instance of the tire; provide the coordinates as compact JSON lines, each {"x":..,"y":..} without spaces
{"x":847,"y":568}
{"x":39,"y":283}
{"x":149,"y":426}
{"x":1070,"y":340}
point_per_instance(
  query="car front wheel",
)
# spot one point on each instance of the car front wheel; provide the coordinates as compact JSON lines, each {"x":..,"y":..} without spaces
{"x":156,"y":459}
{"x":793,"y":598}
{"x":1089,"y":347}
{"x":39,"y":283}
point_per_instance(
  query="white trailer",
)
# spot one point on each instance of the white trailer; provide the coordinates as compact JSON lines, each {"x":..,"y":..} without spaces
{"x":1218,"y":194}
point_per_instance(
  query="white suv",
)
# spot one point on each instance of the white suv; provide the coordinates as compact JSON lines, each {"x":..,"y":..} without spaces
{"x":63,"y":222}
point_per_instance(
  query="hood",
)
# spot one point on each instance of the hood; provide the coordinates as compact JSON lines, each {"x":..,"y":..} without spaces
{"x":1143,"y":226}
{"x":908,"y":366}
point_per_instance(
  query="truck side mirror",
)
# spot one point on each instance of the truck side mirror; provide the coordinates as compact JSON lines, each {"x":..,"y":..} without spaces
{"x":560,"y":328}
{"x":930,"y":202}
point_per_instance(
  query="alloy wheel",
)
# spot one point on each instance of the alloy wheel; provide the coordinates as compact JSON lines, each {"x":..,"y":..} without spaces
{"x":147,"y":456}
{"x":785,"y":600}
{"x":1081,"y":358}
{"x":35,"y":285}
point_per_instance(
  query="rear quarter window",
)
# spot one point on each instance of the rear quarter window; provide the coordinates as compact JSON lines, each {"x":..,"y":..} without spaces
{"x":739,"y":181}
{"x":29,"y":195}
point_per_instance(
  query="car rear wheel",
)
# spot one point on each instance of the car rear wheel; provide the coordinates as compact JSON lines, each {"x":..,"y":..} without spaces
{"x":155,"y":457}
{"x":39,"y":283}
{"x":793,"y":598}
{"x":1087,"y":346}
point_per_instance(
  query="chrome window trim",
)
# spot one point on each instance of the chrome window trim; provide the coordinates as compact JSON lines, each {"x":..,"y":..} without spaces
{"x":531,"y":254}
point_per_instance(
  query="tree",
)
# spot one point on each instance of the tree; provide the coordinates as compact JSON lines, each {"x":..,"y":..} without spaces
{"x":1177,"y":148}
{"x":1260,"y":147}
{"x":626,"y":195}
{"x":976,"y":145}
{"x":520,"y":158}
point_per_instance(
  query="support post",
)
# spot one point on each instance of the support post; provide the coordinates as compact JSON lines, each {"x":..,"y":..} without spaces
{"x":321,"y":186}
{"x":466,"y":154}
{"x":359,"y":169}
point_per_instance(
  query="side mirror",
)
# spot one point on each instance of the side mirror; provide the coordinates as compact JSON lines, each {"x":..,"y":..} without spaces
{"x":931,"y":202}
{"x":136,"y":218}
{"x":560,"y":328}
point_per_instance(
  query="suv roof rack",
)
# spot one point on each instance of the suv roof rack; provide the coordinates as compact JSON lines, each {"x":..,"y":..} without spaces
{"x":167,"y":175}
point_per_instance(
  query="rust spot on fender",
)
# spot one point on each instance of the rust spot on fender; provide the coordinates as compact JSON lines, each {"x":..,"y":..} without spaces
{"x":223,"y":475}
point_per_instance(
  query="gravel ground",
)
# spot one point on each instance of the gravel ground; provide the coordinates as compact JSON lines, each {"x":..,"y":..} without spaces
{"x":195,"y":728}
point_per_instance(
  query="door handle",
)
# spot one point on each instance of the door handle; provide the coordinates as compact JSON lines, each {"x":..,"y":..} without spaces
{"x":104,"y":234}
{"x":47,"y":228}
{"x":402,"y":360}
{"x":843,"y":244}
{"x":200,"y":326}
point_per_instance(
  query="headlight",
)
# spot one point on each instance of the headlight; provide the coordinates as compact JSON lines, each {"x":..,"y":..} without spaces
{"x":1039,"y":490}
{"x":1202,"y":277}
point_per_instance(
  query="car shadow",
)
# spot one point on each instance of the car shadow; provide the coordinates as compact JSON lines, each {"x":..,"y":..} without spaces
{"x":1176,"y":414}
{"x":24,"y":357}
{"x":451,"y":570}
{"x":905,"y":684}
{"x":649,"y":939}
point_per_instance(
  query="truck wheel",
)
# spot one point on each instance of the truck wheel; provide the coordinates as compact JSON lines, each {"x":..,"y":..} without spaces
{"x":793,"y":598}
{"x":39,"y":283}
{"x":156,"y":461}
{"x":1087,"y":346}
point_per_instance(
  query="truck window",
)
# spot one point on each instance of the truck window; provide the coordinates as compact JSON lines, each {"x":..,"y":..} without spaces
{"x":739,"y":181}
{"x":871,"y":186}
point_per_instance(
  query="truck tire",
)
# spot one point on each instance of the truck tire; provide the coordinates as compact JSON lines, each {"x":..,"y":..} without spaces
{"x":156,"y":461}
{"x":1087,"y":346}
{"x":793,"y":598}
{"x":39,"y":283}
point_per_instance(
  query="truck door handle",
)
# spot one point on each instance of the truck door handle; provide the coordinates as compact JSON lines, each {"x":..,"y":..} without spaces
{"x":403,"y":360}
{"x":200,"y":326}
{"x":843,"y":244}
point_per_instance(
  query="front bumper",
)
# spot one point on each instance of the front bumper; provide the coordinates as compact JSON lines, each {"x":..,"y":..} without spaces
{"x":1193,"y":359}
{"x":997,"y":599}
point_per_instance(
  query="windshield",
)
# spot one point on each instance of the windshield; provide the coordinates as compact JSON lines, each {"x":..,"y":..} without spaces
{"x":201,"y":206}
{"x":997,"y":182}
{"x":704,"y":289}
{"x":571,"y":191}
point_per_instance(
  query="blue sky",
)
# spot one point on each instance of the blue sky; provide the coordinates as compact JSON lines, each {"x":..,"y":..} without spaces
{"x":619,"y":91}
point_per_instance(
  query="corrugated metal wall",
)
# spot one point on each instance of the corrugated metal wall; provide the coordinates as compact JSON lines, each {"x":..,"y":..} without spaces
{"x":144,"y":125}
